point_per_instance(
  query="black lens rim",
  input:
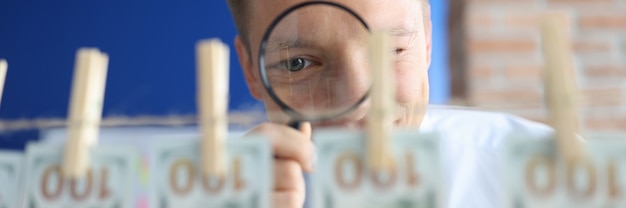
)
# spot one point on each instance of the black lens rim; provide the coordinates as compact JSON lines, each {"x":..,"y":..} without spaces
{"x":295,"y":115}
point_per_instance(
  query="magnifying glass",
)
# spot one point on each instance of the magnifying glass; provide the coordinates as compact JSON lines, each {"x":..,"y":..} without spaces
{"x":313,"y":61}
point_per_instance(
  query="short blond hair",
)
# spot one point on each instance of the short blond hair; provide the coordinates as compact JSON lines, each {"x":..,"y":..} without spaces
{"x":240,"y":10}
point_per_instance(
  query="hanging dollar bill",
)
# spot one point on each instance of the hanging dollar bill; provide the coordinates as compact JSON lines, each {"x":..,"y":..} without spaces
{"x":10,"y":177}
{"x":177,"y":180}
{"x":135,"y":137}
{"x":342,"y":179}
{"x":108,"y":182}
{"x":537,"y":177}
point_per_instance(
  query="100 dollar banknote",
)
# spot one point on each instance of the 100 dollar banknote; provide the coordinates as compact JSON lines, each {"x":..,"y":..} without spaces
{"x":537,"y":176}
{"x":177,"y":180}
{"x":342,"y":179}
{"x":11,"y":164}
{"x":107,"y":183}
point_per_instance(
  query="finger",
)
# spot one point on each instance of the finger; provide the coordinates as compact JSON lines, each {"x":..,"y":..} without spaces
{"x":288,"y":199}
{"x":288,"y":176}
{"x":288,"y":143}
{"x":305,"y":128}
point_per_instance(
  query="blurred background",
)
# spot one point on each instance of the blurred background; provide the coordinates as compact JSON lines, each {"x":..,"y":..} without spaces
{"x":497,"y":63}
{"x":487,"y":55}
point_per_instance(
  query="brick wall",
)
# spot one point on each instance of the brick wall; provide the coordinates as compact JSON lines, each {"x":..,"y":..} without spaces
{"x":505,"y":62}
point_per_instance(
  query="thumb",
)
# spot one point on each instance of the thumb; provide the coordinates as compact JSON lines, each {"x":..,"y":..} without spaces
{"x":305,"y":128}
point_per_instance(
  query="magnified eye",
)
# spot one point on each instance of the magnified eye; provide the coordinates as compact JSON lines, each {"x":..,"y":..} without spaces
{"x":296,"y":64}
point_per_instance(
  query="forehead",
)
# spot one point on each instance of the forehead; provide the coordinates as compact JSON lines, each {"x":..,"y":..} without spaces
{"x":374,"y":11}
{"x":377,"y":13}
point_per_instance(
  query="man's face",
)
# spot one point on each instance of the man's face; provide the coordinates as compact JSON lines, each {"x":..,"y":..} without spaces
{"x":411,"y":35}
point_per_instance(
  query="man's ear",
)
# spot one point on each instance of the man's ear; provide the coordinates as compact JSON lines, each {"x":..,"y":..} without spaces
{"x":247,"y":66}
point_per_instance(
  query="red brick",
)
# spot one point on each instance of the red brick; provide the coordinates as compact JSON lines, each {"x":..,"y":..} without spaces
{"x":501,"y":1}
{"x":582,"y":5}
{"x":502,"y":46}
{"x":476,"y":19}
{"x":608,"y":71}
{"x":604,"y":21}
{"x":527,"y":20}
{"x":580,"y":1}
{"x":606,"y":124}
{"x":591,"y":46}
{"x":480,"y":72}
{"x":602,"y":97}
{"x":575,"y":9}
{"x":523,"y":71}
{"x":512,"y":97}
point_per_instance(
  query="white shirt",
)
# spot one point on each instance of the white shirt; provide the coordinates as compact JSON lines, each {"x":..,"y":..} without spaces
{"x":472,"y":144}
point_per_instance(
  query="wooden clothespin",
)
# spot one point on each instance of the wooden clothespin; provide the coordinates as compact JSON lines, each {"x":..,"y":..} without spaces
{"x":212,"y":58}
{"x":85,"y":110}
{"x":382,"y":98}
{"x":561,"y":93}
{"x":3,"y":74}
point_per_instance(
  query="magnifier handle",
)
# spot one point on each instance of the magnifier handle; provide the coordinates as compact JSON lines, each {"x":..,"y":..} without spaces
{"x":295,"y":124}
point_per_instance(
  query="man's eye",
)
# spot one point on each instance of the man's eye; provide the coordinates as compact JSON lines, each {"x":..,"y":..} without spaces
{"x":296,"y":64}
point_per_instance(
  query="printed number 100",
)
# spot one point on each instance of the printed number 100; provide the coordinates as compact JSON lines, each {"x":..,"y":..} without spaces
{"x":53,"y":193}
{"x":573,"y":171}
{"x":376,"y":178}
{"x":187,"y":169}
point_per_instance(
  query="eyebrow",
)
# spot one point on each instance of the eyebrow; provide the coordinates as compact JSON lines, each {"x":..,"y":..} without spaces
{"x":274,"y":45}
{"x":278,"y":44}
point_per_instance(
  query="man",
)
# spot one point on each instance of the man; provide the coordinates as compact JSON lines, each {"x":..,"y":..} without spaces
{"x":470,"y":140}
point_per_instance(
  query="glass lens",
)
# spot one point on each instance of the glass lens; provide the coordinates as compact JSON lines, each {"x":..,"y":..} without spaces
{"x":315,"y":60}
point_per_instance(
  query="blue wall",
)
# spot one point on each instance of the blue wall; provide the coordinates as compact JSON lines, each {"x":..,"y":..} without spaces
{"x":438,"y":72}
{"x":151,"y":50}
